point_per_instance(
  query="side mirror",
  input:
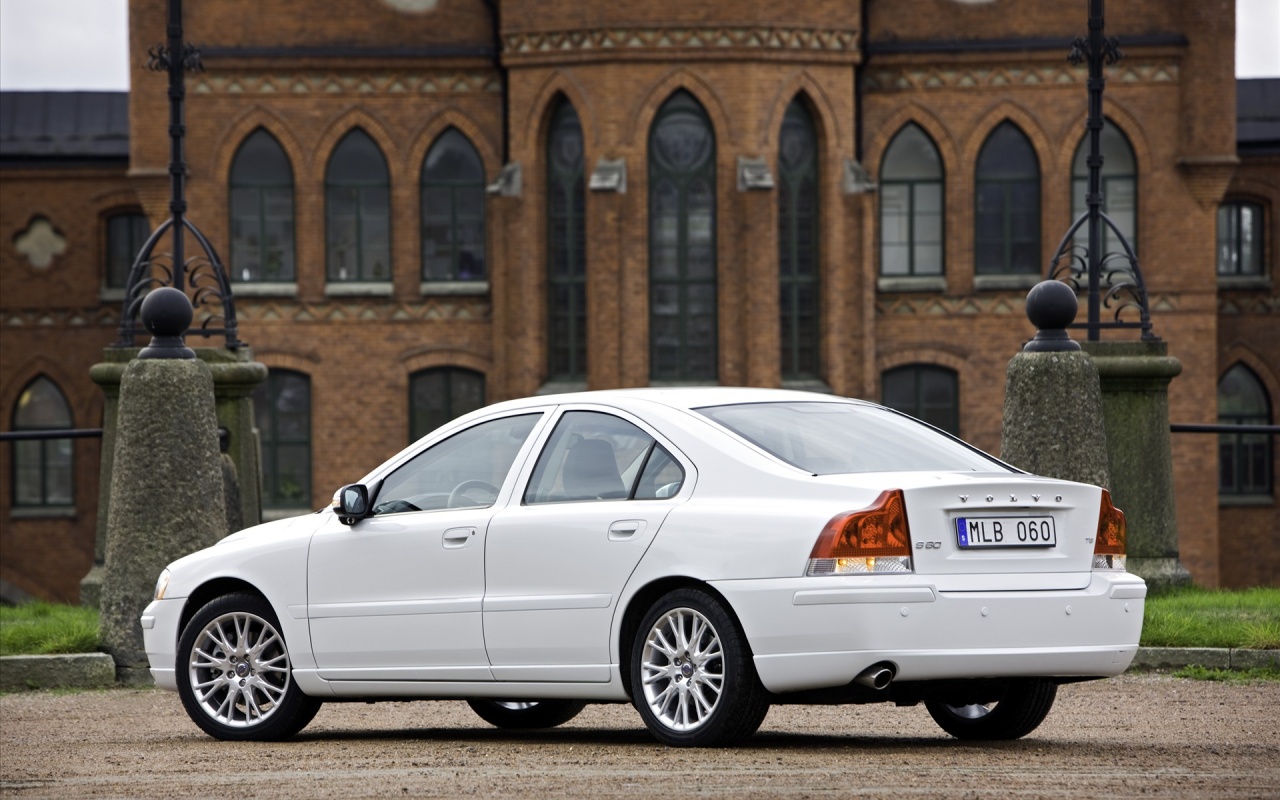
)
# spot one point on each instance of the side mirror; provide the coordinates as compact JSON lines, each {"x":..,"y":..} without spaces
{"x":352,"y":503}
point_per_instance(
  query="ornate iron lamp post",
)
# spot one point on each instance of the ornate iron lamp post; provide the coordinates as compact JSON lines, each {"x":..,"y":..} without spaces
{"x":204,"y":272}
{"x":1114,"y":280}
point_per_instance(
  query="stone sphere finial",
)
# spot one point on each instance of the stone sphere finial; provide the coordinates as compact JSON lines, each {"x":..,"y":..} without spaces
{"x":1051,"y":307}
{"x":166,"y":313}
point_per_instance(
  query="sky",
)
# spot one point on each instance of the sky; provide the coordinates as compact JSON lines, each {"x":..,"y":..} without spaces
{"x":93,"y":34}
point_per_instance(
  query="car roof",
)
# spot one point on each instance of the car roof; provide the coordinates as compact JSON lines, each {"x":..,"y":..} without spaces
{"x":680,"y":397}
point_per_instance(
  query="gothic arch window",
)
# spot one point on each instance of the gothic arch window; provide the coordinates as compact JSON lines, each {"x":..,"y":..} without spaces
{"x":453,"y":211}
{"x":261,"y":208}
{"x":566,"y":247}
{"x":127,"y":232}
{"x":926,"y":392}
{"x":357,"y":190}
{"x":441,"y":394}
{"x":911,"y":198}
{"x":282,"y":412}
{"x":1119,"y":187}
{"x":43,"y":474}
{"x":798,"y":243}
{"x":682,"y":242}
{"x":1007,"y":205}
{"x":1240,"y":239}
{"x":1244,"y":459}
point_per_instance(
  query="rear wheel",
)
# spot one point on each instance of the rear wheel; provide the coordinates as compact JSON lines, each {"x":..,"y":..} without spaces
{"x":1020,"y":710}
{"x":692,"y":677}
{"x":234,"y":674}
{"x":526,"y":714}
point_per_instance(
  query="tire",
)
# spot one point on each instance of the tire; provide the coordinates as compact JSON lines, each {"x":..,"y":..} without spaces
{"x":526,"y":714}
{"x":1024,"y":705}
{"x":692,"y":677}
{"x":234,"y":674}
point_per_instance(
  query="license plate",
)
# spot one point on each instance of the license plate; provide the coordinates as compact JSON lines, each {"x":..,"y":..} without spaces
{"x":979,"y":532}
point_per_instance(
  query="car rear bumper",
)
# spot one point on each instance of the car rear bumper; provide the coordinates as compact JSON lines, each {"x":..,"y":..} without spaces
{"x":160,"y":637}
{"x":810,"y":633}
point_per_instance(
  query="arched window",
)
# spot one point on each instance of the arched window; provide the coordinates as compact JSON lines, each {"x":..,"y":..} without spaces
{"x":282,"y":412}
{"x":1240,"y":234}
{"x":42,"y":468}
{"x":911,"y":193}
{"x":261,"y":211}
{"x":127,"y":232}
{"x":453,"y":211}
{"x":1007,"y":205}
{"x":1244,"y":459}
{"x":1119,"y":188}
{"x":566,"y":248}
{"x":357,"y":190}
{"x":798,"y":242}
{"x":926,"y":392}
{"x":441,"y":394}
{"x":682,"y":242}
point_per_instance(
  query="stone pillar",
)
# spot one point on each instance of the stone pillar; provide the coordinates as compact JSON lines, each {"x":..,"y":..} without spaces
{"x":1135,"y":402}
{"x":1053,"y":413}
{"x":166,"y":497}
{"x":235,"y":376}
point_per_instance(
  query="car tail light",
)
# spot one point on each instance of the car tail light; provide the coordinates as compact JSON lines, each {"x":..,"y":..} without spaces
{"x":875,"y":539}
{"x":1108,"y":547}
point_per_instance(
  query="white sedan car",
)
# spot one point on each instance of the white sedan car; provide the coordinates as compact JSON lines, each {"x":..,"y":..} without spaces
{"x":702,"y":553}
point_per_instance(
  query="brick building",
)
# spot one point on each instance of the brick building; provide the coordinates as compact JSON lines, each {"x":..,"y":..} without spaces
{"x":426,"y":205}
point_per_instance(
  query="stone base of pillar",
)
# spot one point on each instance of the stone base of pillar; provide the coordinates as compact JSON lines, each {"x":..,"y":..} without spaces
{"x":1161,"y":574}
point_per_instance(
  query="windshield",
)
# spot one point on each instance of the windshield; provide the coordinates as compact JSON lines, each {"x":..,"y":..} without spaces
{"x":833,"y":438}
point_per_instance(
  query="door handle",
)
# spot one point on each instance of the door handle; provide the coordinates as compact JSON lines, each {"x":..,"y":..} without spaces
{"x":625,"y":529}
{"x":455,"y":538}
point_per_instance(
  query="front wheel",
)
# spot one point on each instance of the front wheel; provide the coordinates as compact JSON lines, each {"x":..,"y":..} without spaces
{"x":526,"y":714}
{"x":692,"y":677}
{"x":234,"y":675}
{"x":1020,"y":710}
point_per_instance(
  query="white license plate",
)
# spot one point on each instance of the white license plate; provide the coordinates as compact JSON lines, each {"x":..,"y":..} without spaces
{"x":978,"y":532}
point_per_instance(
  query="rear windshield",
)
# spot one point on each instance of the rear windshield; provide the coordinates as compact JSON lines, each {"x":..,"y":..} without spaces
{"x":833,"y":438}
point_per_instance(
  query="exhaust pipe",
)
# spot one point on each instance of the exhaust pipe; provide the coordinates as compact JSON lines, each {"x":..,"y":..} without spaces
{"x":876,"y":676}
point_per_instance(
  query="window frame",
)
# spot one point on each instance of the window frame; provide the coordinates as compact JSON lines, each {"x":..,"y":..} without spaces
{"x":270,"y":442}
{"x":260,"y":190}
{"x":683,"y":102}
{"x":1234,"y":443}
{"x":1235,"y":206}
{"x":454,"y":245}
{"x":796,"y":184}
{"x":913,"y":215}
{"x":1007,"y":185}
{"x":449,"y":373}
{"x":567,"y":359}
{"x":1080,"y":190}
{"x":361,"y":188}
{"x":140,"y":231}
{"x":918,"y":370}
{"x":46,"y":453}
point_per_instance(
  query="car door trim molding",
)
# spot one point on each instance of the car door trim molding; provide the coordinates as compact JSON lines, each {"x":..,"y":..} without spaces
{"x":545,"y":602}
{"x":448,"y":605}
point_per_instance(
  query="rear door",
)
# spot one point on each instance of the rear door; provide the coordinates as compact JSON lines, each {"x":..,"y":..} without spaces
{"x":558,"y":558}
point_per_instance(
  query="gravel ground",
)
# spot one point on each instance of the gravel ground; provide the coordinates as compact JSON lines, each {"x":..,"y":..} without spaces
{"x":1144,"y":735}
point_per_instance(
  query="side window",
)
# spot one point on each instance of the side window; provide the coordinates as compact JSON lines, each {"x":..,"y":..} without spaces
{"x":594,"y":456}
{"x":464,"y":471}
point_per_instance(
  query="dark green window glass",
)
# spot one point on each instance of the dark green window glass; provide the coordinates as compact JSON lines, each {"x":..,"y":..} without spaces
{"x":1007,"y":205}
{"x":911,"y":192}
{"x":798,"y":243}
{"x":441,"y":394}
{"x":566,"y":248}
{"x":126,"y":234}
{"x":926,"y":392}
{"x":282,"y":412}
{"x":1240,"y":227}
{"x":357,"y":191}
{"x":261,"y":211}
{"x":453,"y":211}
{"x":1119,"y":189}
{"x":682,"y":243}
{"x":1244,"y":459}
{"x":43,"y":473}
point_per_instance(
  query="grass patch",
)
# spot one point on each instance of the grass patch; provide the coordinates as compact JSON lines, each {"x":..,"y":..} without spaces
{"x":1228,"y":675}
{"x":1196,"y":617}
{"x":37,"y":629}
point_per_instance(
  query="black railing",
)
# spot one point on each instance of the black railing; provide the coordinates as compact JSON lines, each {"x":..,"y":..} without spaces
{"x":59,"y":433}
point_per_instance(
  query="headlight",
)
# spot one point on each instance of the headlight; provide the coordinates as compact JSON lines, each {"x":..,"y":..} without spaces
{"x":162,"y":584}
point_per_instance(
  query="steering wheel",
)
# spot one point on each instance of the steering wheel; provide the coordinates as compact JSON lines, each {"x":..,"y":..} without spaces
{"x":459,"y":493}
